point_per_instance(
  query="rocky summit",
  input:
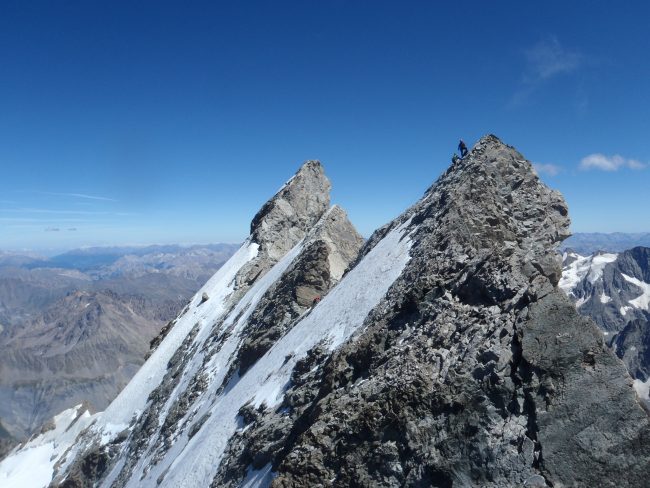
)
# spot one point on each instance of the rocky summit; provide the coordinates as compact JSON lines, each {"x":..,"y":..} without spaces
{"x":442,"y":352}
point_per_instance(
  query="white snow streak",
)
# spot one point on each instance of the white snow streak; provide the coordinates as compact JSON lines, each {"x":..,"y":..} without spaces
{"x":331,"y":322}
{"x":642,"y":301}
{"x":259,"y":478}
{"x":133,"y":397}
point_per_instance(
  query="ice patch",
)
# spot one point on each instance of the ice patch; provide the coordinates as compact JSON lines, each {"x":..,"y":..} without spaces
{"x":604,"y":298}
{"x":624,"y":310}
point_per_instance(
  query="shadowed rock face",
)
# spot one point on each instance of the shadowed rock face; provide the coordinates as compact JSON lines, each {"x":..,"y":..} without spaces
{"x":475,"y":370}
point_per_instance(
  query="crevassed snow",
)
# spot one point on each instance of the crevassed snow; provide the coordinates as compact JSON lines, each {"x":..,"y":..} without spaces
{"x":339,"y":315}
{"x":590,"y":267}
{"x":642,"y":301}
{"x":33,"y":464}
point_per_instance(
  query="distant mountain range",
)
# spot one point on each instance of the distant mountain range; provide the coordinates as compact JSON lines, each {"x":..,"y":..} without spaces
{"x":77,"y":326}
{"x":589,"y":243}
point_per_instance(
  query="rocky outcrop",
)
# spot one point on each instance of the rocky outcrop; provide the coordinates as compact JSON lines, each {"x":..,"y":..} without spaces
{"x":632,"y":345}
{"x":285,"y":219}
{"x":475,"y":370}
{"x":298,"y":205}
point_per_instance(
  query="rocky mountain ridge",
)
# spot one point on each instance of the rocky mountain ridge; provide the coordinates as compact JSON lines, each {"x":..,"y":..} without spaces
{"x":446,"y":355}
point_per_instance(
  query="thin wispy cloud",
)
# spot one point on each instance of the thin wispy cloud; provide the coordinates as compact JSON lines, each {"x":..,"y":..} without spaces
{"x":547,"y":169}
{"x":546,"y":60}
{"x":609,"y":163}
{"x":79,"y":195}
{"x":27,"y":219}
{"x":56,"y":212}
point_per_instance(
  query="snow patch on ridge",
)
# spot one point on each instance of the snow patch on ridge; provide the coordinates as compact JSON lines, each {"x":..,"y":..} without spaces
{"x":590,"y":267}
{"x":642,"y":301}
{"x":259,"y":478}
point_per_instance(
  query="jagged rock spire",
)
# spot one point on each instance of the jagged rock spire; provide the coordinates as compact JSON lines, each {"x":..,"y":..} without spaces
{"x":294,"y":209}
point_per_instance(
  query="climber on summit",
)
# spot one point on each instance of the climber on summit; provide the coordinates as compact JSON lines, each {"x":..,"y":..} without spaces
{"x":462,"y":148}
{"x":455,"y":158}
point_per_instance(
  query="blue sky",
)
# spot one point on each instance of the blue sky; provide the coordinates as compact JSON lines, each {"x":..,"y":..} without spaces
{"x":158,"y":122}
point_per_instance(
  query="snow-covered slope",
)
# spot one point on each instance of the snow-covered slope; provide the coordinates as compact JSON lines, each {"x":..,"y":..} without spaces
{"x":32,"y":464}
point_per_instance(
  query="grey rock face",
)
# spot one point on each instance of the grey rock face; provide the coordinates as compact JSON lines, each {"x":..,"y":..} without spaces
{"x":331,"y":246}
{"x":475,"y":370}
